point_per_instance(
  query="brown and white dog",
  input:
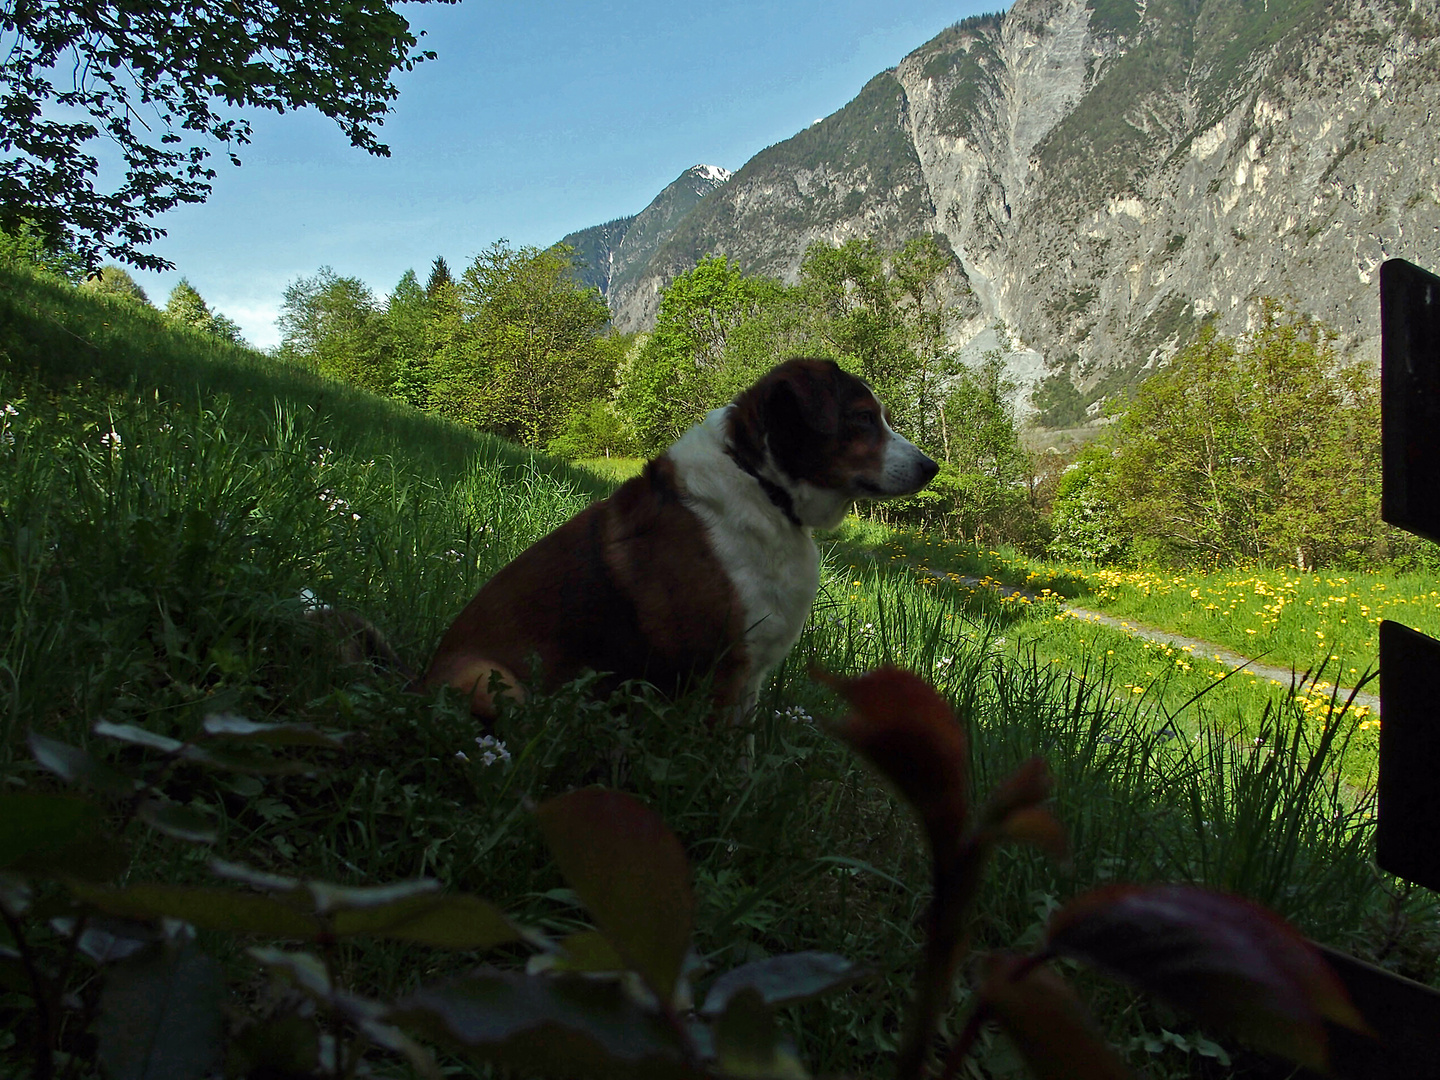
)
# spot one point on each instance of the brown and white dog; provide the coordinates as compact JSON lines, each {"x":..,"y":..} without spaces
{"x":702,"y":566}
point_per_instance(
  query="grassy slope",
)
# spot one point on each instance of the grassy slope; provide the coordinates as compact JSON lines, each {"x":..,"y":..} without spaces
{"x":161,"y":580}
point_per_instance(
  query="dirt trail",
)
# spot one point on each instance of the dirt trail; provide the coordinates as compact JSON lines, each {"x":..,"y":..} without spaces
{"x":1206,"y":649}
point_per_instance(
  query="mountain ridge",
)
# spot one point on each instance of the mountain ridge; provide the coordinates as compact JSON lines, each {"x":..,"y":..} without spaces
{"x":1112,"y":176}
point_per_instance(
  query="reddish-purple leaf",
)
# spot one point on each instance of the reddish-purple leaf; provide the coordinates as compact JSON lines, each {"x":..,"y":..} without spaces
{"x":906,"y":730}
{"x":631,"y":873}
{"x":1027,"y":786}
{"x":1046,"y":1022}
{"x":1036,"y":826}
{"x":1227,"y":960}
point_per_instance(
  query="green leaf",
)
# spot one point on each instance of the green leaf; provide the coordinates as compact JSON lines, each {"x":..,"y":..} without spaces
{"x":57,"y":836}
{"x":137,"y":736}
{"x":178,"y":821}
{"x":748,"y":1042}
{"x":107,"y":940}
{"x":257,"y":879}
{"x":76,"y":766}
{"x":562,"y":1026}
{"x":308,"y":972}
{"x":588,"y":951}
{"x":288,"y":1046}
{"x":332,"y":898}
{"x":1228,"y":961}
{"x":238,"y":729}
{"x":209,"y":909}
{"x":449,"y":922}
{"x":305,"y":970}
{"x":783,"y":980}
{"x":160,"y":1017}
{"x":246,"y":761}
{"x":31,"y":825}
{"x":631,"y":873}
{"x":16,"y":894}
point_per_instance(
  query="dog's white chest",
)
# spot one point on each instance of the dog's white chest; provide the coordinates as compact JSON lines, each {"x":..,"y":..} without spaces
{"x":776,"y":584}
{"x":772,"y":564}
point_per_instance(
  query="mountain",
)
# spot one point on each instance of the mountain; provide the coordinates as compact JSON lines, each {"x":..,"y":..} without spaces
{"x":1111,"y":175}
{"x":614,"y":253}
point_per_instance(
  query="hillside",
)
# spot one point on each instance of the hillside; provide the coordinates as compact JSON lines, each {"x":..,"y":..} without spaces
{"x":1112,"y":175}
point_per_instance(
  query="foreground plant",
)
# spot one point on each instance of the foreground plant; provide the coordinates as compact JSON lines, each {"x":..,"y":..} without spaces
{"x":617,"y":1000}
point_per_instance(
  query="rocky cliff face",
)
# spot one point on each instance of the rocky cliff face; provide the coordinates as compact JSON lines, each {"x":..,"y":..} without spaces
{"x":1112,"y":175}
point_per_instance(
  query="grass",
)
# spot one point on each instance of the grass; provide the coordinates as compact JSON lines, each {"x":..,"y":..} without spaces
{"x":1159,"y":677}
{"x":1298,"y":619}
{"x":614,"y":470}
{"x":164,"y":520}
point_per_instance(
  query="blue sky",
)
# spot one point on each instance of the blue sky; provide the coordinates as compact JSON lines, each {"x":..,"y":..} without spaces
{"x":536,"y":119}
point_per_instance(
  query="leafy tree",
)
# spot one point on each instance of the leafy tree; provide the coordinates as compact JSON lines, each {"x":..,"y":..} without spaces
{"x":116,"y":281}
{"x":158,"y":83}
{"x":853,"y":303}
{"x":984,"y":455}
{"x":406,"y":313}
{"x":595,"y":429}
{"x":926,"y":319}
{"x":334,"y":325}
{"x":687,"y":365}
{"x":455,"y":373}
{"x":188,"y":308}
{"x":536,"y":328}
{"x":1262,"y":448}
{"x":26,"y":246}
{"x":1084,"y":524}
{"x":885,"y":317}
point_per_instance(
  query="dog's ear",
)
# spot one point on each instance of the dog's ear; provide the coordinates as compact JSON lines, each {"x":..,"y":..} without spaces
{"x":808,"y":392}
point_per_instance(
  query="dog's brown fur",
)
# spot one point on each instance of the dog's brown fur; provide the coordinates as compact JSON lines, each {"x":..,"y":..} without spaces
{"x":600,"y":592}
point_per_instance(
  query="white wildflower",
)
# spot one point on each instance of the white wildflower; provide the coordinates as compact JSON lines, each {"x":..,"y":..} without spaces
{"x":9,"y":410}
{"x":112,"y":441}
{"x":311,"y":602}
{"x":460,"y":755}
{"x":492,"y":750}
{"x":796,"y":713}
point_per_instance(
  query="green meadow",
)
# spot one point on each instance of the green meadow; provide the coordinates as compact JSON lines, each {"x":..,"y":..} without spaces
{"x":173,"y":510}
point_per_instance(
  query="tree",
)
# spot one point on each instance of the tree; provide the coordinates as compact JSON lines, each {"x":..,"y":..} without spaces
{"x":26,"y":246}
{"x":989,"y":465}
{"x":536,"y":329}
{"x":406,"y":313}
{"x":1084,"y":524}
{"x":854,"y":304}
{"x":115,"y":281}
{"x":1057,"y":402}
{"x":1262,"y":448}
{"x":884,"y":316}
{"x":160,"y":82}
{"x":690,"y":363}
{"x":926,"y":320}
{"x":188,"y":308}
{"x":334,"y":325}
{"x":440,"y":277}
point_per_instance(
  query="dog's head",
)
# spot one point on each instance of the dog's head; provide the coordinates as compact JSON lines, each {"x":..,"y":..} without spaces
{"x":821,"y":436}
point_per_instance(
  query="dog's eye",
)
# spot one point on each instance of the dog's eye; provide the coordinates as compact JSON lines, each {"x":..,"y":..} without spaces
{"x":865,"y":419}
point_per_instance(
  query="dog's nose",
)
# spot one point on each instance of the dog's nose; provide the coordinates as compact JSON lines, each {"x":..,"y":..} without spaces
{"x":928,"y":468}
